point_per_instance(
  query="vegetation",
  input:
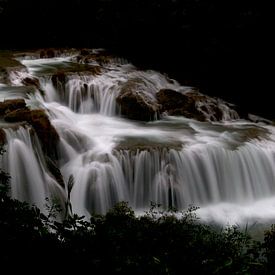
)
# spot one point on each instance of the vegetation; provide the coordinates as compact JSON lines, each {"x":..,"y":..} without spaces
{"x":122,"y":243}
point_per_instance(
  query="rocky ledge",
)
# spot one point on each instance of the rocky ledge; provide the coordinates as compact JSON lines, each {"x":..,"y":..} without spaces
{"x":14,"y":111}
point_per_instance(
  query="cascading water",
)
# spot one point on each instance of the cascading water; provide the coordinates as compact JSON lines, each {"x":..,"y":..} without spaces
{"x":24,"y":160}
{"x":226,"y":168}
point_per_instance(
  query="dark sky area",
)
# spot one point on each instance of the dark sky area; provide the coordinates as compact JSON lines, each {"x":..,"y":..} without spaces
{"x":224,"y":47}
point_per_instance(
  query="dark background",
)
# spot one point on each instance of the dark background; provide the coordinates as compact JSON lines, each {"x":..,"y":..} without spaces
{"x":223,"y":47}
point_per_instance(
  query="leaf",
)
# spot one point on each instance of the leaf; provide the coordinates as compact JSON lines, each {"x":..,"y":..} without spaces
{"x":70,"y":183}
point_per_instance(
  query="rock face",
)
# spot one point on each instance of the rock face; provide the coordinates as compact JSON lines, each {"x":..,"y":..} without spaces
{"x":31,"y":81}
{"x":135,"y":101}
{"x":138,"y":103}
{"x":8,"y":65}
{"x":195,"y":105}
{"x":16,"y":111}
{"x":177,"y":104}
{"x":41,"y":124}
{"x":87,"y":56}
{"x":11,"y":105}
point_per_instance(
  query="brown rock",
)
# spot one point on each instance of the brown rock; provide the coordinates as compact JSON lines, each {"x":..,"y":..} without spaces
{"x":135,"y":103}
{"x":31,"y":81}
{"x":11,"y":105}
{"x":42,"y":126}
{"x":178,"y":104}
{"x":195,"y":105}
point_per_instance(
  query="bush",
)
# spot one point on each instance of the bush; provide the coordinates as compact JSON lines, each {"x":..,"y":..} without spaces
{"x":119,"y":242}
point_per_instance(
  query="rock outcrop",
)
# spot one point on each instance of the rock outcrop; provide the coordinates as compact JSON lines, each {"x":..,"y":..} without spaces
{"x":89,"y":56}
{"x":15,"y":110}
{"x":195,"y":105}
{"x":31,"y":81}
{"x":8,"y":65}
{"x":136,"y":102}
{"x":177,"y":104}
{"x":41,"y":124}
{"x":10,"y":105}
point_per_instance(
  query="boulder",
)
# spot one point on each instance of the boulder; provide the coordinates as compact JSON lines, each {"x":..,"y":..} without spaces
{"x":31,"y":81}
{"x":135,"y":102}
{"x":177,"y":104}
{"x":16,"y":111}
{"x":11,"y":105}
{"x":87,"y":56}
{"x":9,"y":65}
{"x":195,"y":105}
{"x":39,"y":121}
{"x":212,"y":108}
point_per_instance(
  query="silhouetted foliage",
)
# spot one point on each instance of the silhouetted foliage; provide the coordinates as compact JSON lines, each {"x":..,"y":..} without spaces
{"x":122,"y":243}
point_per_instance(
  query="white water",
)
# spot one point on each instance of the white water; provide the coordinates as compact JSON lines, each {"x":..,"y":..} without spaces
{"x":174,"y":161}
{"x":24,"y":161}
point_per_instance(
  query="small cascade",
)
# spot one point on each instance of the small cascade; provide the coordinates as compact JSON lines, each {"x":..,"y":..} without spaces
{"x":199,"y":176}
{"x":25,"y":163}
{"x":100,"y":182}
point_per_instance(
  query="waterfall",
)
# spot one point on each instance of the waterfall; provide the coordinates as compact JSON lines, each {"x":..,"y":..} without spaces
{"x":26,"y":165}
{"x":198,"y":175}
{"x":172,"y":161}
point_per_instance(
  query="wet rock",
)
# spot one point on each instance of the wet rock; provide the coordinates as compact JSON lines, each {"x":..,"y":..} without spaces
{"x":8,"y":65}
{"x":213,"y":109}
{"x":11,"y":105}
{"x":143,"y":144}
{"x":2,"y":137}
{"x":18,"y":115}
{"x":31,"y":81}
{"x":178,"y":104}
{"x":195,"y":105}
{"x":87,"y":56}
{"x":135,"y":101}
{"x":45,"y":132}
{"x":39,"y":121}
